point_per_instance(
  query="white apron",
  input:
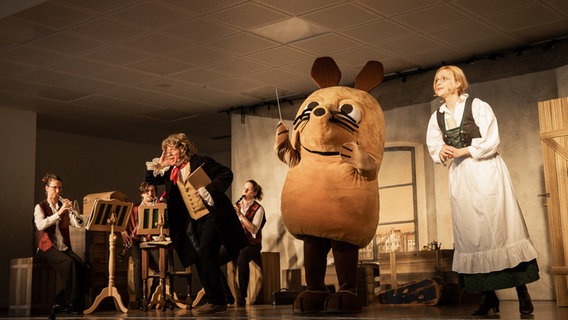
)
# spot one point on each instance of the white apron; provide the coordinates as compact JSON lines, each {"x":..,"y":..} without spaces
{"x":489,"y":229}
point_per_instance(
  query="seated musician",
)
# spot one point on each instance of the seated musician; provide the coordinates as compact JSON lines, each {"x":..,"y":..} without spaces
{"x":131,"y":243}
{"x":52,"y":218}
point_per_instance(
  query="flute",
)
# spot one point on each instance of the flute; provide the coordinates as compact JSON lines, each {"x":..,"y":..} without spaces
{"x":72,"y":211}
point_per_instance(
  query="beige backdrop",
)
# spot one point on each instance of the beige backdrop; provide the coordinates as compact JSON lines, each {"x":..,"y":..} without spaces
{"x":514,"y":101}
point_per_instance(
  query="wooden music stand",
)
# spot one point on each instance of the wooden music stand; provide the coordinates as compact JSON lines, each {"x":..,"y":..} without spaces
{"x":109,"y":216}
{"x":152,"y":220}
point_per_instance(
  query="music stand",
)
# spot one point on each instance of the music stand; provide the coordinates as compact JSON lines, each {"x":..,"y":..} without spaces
{"x":153,"y":220}
{"x":109,"y":216}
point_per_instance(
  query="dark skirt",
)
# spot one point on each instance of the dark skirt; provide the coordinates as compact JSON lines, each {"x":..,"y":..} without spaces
{"x":523,"y":273}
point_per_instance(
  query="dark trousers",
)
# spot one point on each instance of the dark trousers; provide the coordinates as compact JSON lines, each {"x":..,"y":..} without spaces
{"x":246,"y":255}
{"x":208,"y":240}
{"x":315,"y":262}
{"x":72,"y":270}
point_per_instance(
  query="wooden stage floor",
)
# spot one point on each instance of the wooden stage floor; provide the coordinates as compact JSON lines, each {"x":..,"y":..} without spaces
{"x":544,"y":310}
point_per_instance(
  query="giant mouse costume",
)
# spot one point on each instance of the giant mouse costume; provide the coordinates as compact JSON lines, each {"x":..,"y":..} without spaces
{"x":330,"y":197}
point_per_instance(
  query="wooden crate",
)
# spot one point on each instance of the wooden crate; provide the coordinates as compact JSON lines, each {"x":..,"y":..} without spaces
{"x":368,"y":283}
{"x":403,"y":267}
{"x":330,"y":279}
{"x":270,"y":276}
{"x":398,"y":268}
{"x":33,"y":287}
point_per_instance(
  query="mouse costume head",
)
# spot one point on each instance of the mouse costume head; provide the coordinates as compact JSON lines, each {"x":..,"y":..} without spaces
{"x":334,"y":115}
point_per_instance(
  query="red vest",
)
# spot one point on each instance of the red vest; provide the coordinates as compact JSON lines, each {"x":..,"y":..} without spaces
{"x":250,"y":216}
{"x":46,"y":237}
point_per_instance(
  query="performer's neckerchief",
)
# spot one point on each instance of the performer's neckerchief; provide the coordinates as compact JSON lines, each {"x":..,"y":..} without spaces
{"x":175,"y":172}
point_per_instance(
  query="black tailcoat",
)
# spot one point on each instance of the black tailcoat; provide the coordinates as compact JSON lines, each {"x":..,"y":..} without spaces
{"x":223,"y":212}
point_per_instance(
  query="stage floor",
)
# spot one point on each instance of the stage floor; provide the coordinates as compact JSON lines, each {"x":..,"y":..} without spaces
{"x":544,"y":310}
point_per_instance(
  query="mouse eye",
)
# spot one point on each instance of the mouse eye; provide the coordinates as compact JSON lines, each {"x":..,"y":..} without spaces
{"x":306,"y":113}
{"x":349,"y":110}
{"x":311,"y":105}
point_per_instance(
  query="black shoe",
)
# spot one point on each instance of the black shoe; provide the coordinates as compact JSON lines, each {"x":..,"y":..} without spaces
{"x":230,"y":299}
{"x":136,"y":305}
{"x":209,"y":308}
{"x":74,"y":309}
{"x":489,"y":301}
{"x":57,"y":308}
{"x":525,"y":302}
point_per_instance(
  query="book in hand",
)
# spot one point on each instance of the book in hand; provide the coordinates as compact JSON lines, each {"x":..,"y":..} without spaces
{"x":198,"y":178}
{"x":195,"y":206}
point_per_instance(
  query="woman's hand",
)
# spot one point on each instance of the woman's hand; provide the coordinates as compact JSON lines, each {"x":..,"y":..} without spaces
{"x":66,"y":205}
{"x":449,"y":152}
{"x":446,"y":153}
{"x":61,"y":211}
{"x":462,"y":152}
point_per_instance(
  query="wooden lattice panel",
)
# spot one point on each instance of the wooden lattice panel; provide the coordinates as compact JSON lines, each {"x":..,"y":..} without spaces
{"x":553,"y":120}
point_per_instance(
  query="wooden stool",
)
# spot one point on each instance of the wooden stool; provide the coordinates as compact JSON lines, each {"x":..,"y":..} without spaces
{"x":187,"y":274}
{"x":255,"y":281}
{"x":160,"y":298}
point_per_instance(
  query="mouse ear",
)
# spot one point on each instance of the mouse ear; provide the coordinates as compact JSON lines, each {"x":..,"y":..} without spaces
{"x":325,"y":72}
{"x":370,"y":76}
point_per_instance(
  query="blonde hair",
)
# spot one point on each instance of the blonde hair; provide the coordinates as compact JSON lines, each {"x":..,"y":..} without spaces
{"x":181,"y":142}
{"x":458,"y":75}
